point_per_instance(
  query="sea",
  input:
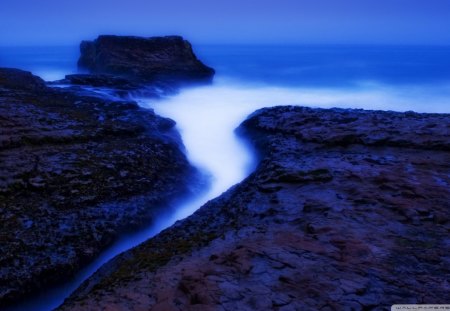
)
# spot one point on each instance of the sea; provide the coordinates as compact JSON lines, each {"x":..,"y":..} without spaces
{"x":248,"y":78}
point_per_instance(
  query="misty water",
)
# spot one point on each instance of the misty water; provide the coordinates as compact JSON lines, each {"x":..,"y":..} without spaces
{"x":250,"y":78}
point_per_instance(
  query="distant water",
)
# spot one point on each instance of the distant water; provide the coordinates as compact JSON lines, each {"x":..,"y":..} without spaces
{"x":251,"y":77}
{"x":50,"y":63}
{"x":371,"y":77}
{"x":327,"y":65}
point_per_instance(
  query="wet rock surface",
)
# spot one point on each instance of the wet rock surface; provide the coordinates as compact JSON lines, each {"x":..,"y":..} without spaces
{"x":347,"y":210}
{"x":143,"y":59}
{"x":76,"y":169}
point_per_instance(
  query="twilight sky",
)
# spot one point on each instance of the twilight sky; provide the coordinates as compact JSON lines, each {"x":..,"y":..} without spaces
{"x":30,"y":22}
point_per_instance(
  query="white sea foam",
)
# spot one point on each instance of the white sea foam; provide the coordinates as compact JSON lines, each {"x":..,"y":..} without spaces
{"x":207,"y":117}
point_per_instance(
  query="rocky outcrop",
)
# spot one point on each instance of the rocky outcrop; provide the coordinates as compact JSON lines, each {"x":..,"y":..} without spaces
{"x":143,"y":59}
{"x":15,"y":79}
{"x":347,"y":210}
{"x":75,"y":171}
{"x":127,"y":67}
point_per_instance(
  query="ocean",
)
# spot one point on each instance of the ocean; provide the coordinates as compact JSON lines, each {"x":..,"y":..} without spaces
{"x":371,"y":77}
{"x":302,"y":65}
{"x":248,"y":78}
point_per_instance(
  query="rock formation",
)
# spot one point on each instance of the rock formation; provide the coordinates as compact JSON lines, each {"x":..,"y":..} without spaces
{"x":143,"y":59}
{"x":347,"y":210}
{"x":75,"y":170}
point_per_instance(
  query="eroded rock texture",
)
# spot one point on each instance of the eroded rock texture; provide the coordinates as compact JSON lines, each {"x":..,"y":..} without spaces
{"x":347,"y":210}
{"x":75,"y":170}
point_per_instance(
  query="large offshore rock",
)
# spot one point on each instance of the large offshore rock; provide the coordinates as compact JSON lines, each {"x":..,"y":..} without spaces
{"x":347,"y":210}
{"x":143,"y":59}
{"x":75,"y":171}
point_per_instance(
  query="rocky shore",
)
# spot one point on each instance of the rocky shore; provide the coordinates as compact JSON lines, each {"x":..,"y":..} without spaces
{"x":79,"y":165}
{"x":74,"y":172}
{"x":347,"y":210}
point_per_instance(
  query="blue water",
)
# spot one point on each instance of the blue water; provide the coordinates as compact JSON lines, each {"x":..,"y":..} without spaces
{"x":50,"y":63}
{"x":321,"y":66}
{"x":249,"y":78}
{"x":331,"y":65}
{"x":384,"y":77}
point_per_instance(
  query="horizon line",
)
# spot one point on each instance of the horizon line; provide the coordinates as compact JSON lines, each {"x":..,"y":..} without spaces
{"x":267,"y":44}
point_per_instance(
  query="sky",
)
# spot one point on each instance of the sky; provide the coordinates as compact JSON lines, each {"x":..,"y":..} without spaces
{"x":61,"y":22}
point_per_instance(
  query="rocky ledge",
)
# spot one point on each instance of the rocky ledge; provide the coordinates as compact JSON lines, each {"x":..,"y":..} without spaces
{"x":347,"y":210}
{"x":75,"y":171}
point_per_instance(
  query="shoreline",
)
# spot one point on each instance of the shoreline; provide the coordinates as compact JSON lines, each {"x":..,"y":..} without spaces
{"x":80,"y":167}
{"x":331,"y":217}
{"x":77,"y":170}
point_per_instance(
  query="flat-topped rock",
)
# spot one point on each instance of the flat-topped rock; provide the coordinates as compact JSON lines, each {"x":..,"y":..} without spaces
{"x":143,"y":59}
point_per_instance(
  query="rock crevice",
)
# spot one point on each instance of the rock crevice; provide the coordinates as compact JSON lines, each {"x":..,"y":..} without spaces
{"x":318,"y":225}
{"x":75,"y":171}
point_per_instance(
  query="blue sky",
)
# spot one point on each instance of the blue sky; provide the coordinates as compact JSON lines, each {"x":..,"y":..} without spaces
{"x":29,"y":22}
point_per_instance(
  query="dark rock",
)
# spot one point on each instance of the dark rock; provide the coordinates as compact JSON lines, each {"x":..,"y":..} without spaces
{"x":143,"y":59}
{"x":339,"y":232}
{"x":75,"y":171}
{"x":124,"y":67}
{"x":17,"y":79}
